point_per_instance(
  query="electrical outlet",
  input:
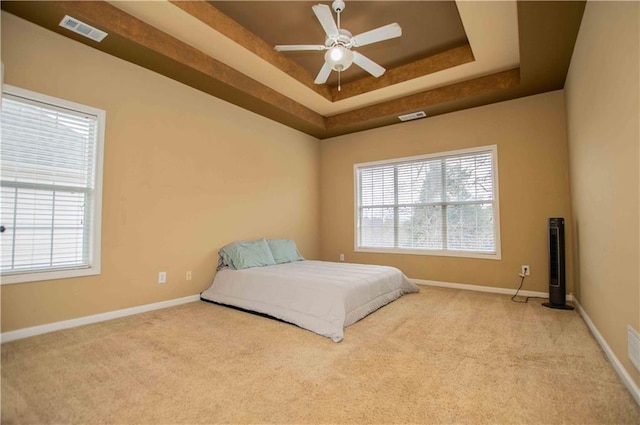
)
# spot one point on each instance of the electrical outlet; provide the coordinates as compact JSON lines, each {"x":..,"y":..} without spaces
{"x":188,"y":276}
{"x":525,"y":270}
{"x":341,"y":257}
{"x":162,"y":277}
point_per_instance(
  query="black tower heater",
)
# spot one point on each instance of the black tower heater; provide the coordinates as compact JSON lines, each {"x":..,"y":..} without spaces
{"x":557,"y":289}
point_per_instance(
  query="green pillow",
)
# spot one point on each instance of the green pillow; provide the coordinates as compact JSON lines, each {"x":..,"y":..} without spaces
{"x":243,"y":255}
{"x":284,"y":250}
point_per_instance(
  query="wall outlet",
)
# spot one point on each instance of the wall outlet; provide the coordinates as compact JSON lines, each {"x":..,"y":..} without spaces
{"x":162,"y":277}
{"x":341,"y":257}
{"x":525,"y":270}
{"x":188,"y":275}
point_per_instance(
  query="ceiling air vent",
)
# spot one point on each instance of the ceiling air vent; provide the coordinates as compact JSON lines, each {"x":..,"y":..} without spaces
{"x":412,"y":116}
{"x":83,"y":29}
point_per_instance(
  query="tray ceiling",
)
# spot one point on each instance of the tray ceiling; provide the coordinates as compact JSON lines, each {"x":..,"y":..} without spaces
{"x":428,"y":28}
{"x":452,"y":55}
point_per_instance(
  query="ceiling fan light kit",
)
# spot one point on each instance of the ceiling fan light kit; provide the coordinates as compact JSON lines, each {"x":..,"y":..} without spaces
{"x":339,"y":43}
{"x":339,"y":58}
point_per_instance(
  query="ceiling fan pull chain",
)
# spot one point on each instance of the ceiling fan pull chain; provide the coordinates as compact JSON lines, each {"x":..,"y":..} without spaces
{"x":339,"y":72}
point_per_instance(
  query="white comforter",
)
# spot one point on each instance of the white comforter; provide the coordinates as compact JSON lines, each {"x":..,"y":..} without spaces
{"x":320,"y":296}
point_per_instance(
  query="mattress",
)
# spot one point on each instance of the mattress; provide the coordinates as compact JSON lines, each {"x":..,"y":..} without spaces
{"x":319,"y":296}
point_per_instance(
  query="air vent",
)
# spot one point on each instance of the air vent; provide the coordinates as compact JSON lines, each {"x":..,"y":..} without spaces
{"x":83,"y":29}
{"x":412,"y":116}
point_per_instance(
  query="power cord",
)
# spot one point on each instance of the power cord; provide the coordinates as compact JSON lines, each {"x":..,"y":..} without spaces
{"x":526,"y":299}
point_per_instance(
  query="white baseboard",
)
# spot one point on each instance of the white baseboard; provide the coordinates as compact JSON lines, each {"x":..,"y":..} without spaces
{"x":619,"y":368}
{"x":492,"y":289}
{"x":72,"y":323}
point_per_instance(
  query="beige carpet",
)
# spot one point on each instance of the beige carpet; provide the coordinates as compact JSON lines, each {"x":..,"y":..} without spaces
{"x":440,"y":356}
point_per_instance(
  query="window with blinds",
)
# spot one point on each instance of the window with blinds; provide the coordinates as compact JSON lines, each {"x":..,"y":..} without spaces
{"x":51,"y":187}
{"x":443,"y":204}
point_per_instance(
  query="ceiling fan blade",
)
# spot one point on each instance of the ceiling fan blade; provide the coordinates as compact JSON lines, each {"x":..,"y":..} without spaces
{"x":323,"y":13}
{"x":368,"y":65}
{"x":379,"y":34}
{"x":296,"y":47}
{"x":323,"y":75}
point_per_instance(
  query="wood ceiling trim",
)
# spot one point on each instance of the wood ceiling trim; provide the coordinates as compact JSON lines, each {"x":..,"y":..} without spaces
{"x":186,"y":64}
{"x":214,"y":18}
{"x":134,"y":41}
{"x":148,"y":36}
{"x":465,"y":89}
{"x":438,"y":62}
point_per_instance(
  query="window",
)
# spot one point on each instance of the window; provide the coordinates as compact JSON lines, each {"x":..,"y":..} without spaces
{"x":51,"y":181}
{"x":444,"y":204}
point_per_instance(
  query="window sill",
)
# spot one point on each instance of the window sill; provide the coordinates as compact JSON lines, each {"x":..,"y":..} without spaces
{"x":404,"y":251}
{"x":48,"y":275}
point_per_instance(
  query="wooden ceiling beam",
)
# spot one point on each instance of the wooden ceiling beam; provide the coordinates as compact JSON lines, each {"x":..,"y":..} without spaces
{"x":438,"y":62}
{"x":214,"y":18}
{"x":139,"y":32}
{"x":465,"y":89}
{"x":138,"y":42}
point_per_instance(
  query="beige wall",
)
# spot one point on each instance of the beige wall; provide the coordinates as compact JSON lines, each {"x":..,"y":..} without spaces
{"x":533,"y":185}
{"x":184,"y":174}
{"x":603,"y":116}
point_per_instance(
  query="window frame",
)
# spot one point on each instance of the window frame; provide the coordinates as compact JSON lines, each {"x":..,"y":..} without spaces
{"x":94,"y":267}
{"x":493,"y":149}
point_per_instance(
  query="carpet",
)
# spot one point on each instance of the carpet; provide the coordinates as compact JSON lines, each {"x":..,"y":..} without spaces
{"x":441,"y":356}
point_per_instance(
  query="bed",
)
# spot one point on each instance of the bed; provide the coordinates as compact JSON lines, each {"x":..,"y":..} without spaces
{"x":319,"y":296}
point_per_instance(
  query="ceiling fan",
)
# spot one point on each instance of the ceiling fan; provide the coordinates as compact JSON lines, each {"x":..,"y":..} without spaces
{"x":339,"y":42}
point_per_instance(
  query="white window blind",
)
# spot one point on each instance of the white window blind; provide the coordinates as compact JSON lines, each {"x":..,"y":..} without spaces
{"x":445,"y":203}
{"x":49,"y":162}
